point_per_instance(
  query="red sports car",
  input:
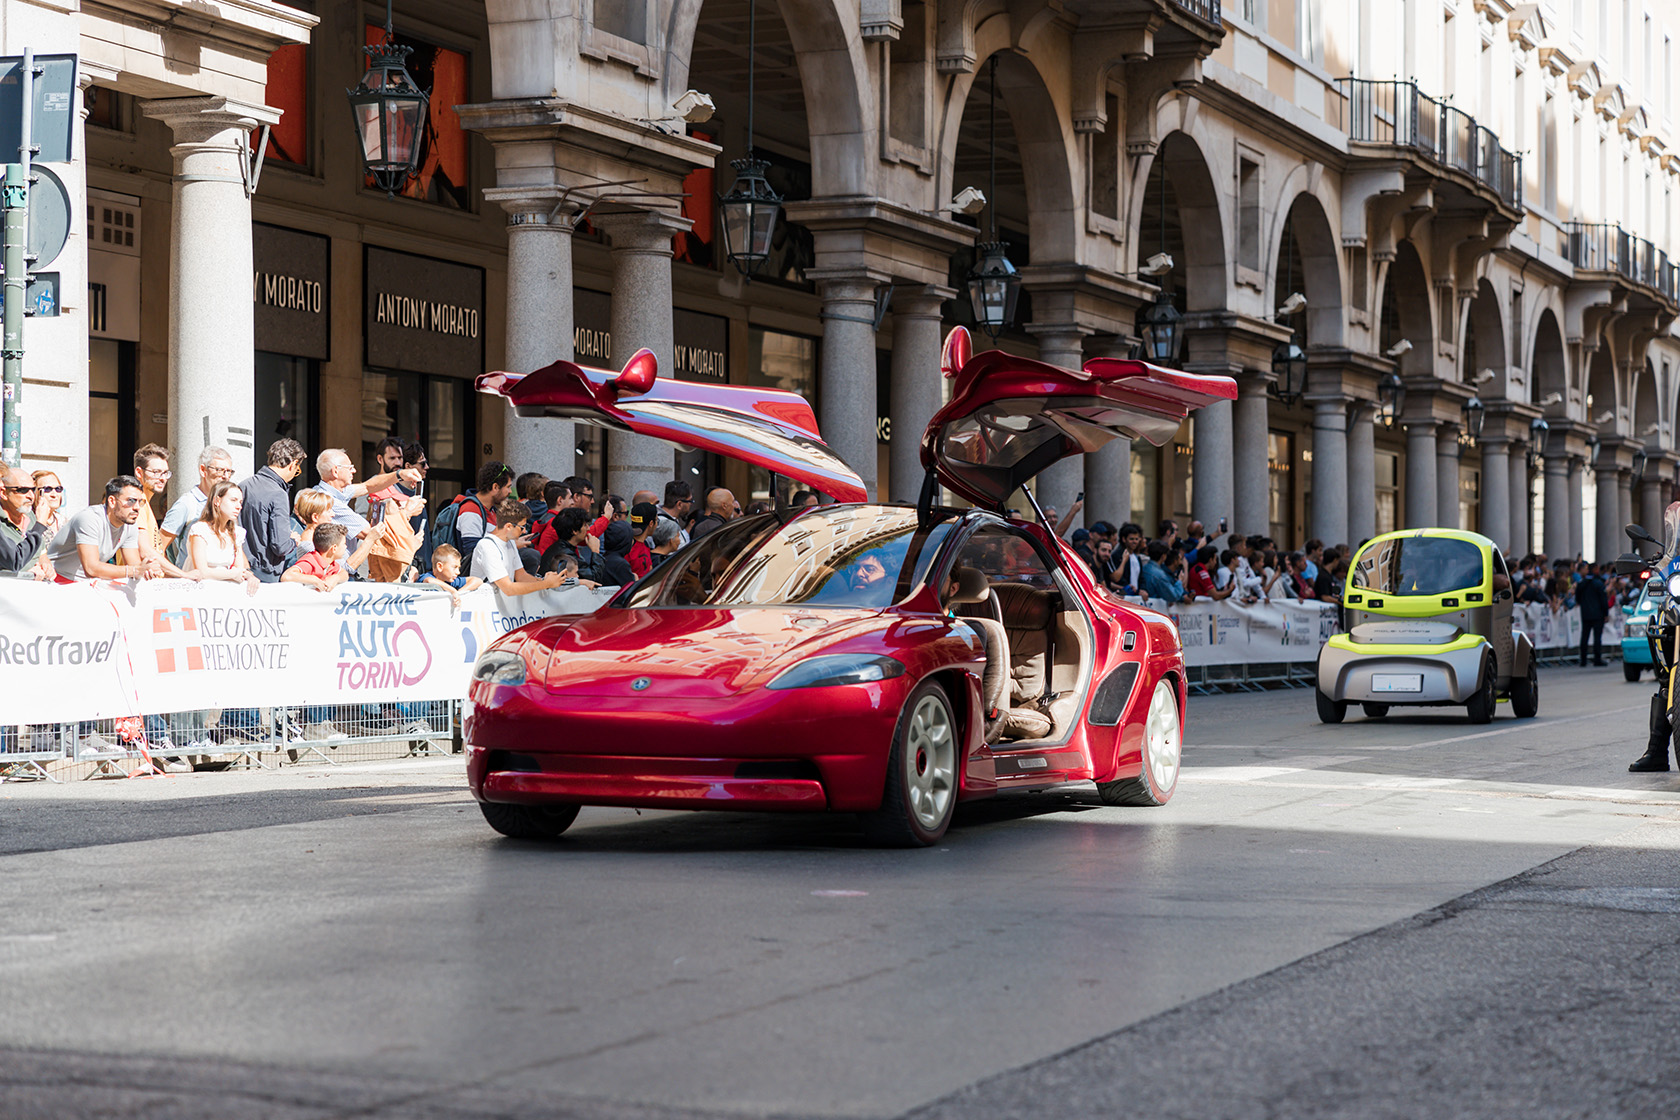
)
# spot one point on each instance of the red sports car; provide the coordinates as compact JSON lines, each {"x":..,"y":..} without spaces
{"x":884,"y":660}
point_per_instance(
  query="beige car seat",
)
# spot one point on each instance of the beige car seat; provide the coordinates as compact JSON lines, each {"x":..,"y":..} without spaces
{"x":1008,"y":714}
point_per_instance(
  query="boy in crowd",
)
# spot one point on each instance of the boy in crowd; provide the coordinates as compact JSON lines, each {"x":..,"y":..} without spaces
{"x":323,"y":568}
{"x":446,"y":573}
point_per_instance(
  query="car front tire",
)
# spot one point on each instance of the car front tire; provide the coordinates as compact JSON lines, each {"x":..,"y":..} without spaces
{"x":1630,"y":672}
{"x":1481,"y":705}
{"x":529,"y":822}
{"x":1163,"y":747}
{"x":921,"y":788}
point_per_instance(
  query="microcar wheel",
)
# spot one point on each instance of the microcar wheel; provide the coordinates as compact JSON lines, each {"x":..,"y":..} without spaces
{"x":1525,"y":694}
{"x":1481,"y":704}
{"x":1163,"y":746}
{"x":921,"y":787}
{"x":1630,"y":672}
{"x":1330,"y":711}
{"x":529,"y":822}
{"x":1375,"y":711}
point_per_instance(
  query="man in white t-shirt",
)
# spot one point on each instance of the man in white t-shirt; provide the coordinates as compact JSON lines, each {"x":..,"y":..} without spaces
{"x":495,"y":558}
{"x":214,"y":465}
{"x":97,"y":535}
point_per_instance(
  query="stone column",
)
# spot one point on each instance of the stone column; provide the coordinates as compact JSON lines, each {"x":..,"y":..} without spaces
{"x":1609,"y":527}
{"x":1496,"y":493}
{"x":846,"y":394}
{"x":1421,"y":496}
{"x":1446,"y":477}
{"x":1624,"y":514}
{"x":1061,"y":344}
{"x":916,"y":392}
{"x":1330,"y":471}
{"x":1250,"y":470}
{"x":1575,"y":507}
{"x":641,"y":317}
{"x":539,"y":323}
{"x":1211,"y":468}
{"x":212,"y":332}
{"x":1556,"y":531}
{"x":1521,"y":495}
{"x":1362,"y":476}
{"x":1651,"y":506}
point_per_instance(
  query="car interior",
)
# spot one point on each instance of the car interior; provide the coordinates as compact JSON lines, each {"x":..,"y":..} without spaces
{"x":1032,"y":625}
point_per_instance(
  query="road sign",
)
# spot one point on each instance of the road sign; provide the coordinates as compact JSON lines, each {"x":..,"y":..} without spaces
{"x":49,"y":217}
{"x":54,"y":91}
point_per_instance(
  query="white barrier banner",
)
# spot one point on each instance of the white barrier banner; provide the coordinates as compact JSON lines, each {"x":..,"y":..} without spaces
{"x":94,"y":650}
{"x":1226,"y":633}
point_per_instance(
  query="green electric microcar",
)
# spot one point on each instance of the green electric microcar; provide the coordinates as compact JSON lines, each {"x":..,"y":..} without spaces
{"x":1428,"y":614}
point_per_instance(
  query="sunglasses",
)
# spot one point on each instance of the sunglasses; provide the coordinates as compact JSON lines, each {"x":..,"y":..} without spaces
{"x":129,"y":502}
{"x":50,"y":489}
{"x":22,"y":489}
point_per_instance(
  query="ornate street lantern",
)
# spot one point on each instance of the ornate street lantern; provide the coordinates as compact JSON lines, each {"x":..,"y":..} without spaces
{"x":1639,"y":461}
{"x":389,"y":112}
{"x":751,"y":208}
{"x":1159,"y":325}
{"x":1537,"y":429}
{"x":1289,"y":363}
{"x":994,"y":287}
{"x":1475,"y":415}
{"x":1391,"y":398}
{"x":1593,"y":447}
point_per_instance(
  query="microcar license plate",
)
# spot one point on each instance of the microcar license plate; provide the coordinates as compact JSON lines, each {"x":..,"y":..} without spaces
{"x":1397,"y":682}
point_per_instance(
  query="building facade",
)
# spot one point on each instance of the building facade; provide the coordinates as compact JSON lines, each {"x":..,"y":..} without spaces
{"x":1474,"y":201}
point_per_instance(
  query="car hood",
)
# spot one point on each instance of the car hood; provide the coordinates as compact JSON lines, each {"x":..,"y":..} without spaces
{"x":768,"y":428}
{"x":696,"y":652}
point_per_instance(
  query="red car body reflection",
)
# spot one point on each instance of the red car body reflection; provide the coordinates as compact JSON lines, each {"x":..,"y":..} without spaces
{"x":760,"y":669}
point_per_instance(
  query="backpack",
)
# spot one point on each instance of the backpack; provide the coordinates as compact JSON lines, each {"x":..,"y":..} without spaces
{"x":540,"y":525}
{"x":443,"y":528}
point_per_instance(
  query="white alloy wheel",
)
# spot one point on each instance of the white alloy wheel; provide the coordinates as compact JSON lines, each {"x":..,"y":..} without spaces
{"x":930,"y":762}
{"x":1163,"y":739}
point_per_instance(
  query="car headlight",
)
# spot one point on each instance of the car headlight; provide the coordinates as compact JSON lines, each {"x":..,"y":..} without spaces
{"x":838,"y":668}
{"x":1674,"y":586}
{"x":499,"y":666}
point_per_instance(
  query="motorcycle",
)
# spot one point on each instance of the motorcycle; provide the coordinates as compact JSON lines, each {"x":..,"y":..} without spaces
{"x":1658,"y":562}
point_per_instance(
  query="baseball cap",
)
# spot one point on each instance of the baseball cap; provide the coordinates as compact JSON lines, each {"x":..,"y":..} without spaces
{"x":1102,"y":527}
{"x":642,"y":515}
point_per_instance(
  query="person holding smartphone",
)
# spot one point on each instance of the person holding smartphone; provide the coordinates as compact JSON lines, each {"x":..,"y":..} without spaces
{"x":495,"y":558}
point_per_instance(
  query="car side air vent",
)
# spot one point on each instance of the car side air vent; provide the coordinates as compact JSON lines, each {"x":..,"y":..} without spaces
{"x":1375,"y":604}
{"x":800,"y":769}
{"x":1449,"y":600}
{"x":1109,"y":704}
{"x":1474,"y":597}
{"x":1356,"y":598}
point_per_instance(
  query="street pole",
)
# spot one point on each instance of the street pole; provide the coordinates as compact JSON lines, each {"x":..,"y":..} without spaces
{"x":15,"y":196}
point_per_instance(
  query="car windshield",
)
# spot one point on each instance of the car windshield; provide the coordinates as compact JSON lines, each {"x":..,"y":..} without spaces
{"x":860,"y":556}
{"x":1419,"y":566}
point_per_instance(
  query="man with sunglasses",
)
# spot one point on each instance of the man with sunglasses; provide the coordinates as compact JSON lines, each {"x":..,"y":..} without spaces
{"x":214,"y":465}
{"x":98,"y":535}
{"x":22,"y":538}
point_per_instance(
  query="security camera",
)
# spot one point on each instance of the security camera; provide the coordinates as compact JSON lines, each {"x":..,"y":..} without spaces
{"x":1158,"y":265}
{"x":1294,"y":303}
{"x":694,"y":107}
{"x":970,"y":201}
{"x":1404,"y":346}
{"x":1486,"y":375}
{"x":1552,"y":398}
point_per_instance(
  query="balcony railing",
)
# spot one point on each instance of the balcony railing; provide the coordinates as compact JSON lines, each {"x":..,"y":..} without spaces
{"x":1202,"y":9}
{"x":1399,"y":113}
{"x":1607,"y":247}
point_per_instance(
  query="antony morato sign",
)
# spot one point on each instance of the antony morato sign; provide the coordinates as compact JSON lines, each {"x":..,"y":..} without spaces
{"x":289,"y":291}
{"x":423,"y":315}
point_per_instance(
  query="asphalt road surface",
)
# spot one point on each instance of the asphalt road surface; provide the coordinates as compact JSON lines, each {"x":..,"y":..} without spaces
{"x":1400,"y":918}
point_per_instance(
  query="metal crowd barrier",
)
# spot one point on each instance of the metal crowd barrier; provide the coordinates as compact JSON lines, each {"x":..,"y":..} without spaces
{"x":249,"y":738}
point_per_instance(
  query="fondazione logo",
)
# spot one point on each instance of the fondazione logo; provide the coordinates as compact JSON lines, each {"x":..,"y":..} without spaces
{"x":380,"y":643}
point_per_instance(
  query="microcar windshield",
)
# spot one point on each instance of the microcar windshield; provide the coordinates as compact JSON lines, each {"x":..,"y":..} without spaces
{"x":1419,"y":566}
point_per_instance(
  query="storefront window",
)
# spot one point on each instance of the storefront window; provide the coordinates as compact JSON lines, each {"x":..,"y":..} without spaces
{"x":286,"y":390}
{"x":288,"y":90}
{"x":436,"y":411}
{"x":1280,"y":501}
{"x":442,"y":173}
{"x":1470,"y":499}
{"x":1388,"y":491}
